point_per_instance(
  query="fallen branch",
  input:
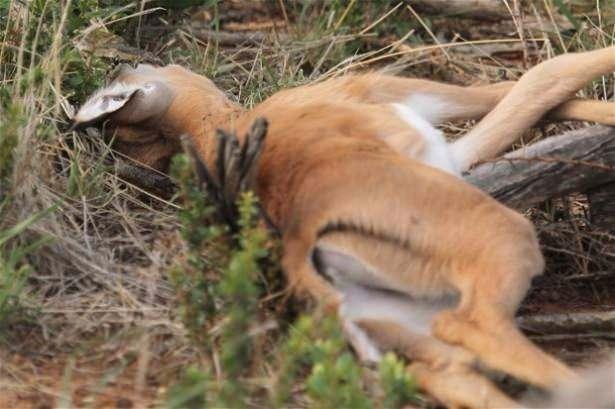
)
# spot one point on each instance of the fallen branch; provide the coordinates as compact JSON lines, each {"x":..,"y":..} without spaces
{"x":481,"y":9}
{"x":489,"y":50}
{"x":593,"y":276}
{"x":149,"y":179}
{"x":567,"y":323}
{"x":602,"y":206}
{"x":575,"y":161}
{"x":225,"y":37}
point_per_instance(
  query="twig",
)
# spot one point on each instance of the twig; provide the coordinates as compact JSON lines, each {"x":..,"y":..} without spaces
{"x":225,"y":37}
{"x":518,"y":19}
{"x":146,"y":178}
{"x":590,"y":276}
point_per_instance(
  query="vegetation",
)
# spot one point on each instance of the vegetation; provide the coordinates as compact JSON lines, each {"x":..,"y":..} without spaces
{"x":114,"y":296}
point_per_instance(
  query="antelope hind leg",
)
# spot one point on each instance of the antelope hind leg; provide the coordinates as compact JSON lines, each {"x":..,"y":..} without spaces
{"x":381,"y":320}
{"x":541,"y":89}
{"x":484,"y":324}
{"x":444,"y":371}
{"x":439,"y":102}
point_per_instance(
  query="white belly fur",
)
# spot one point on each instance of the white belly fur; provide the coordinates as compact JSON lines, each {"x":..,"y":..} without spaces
{"x":413,"y":314}
{"x":370,"y":294}
{"x":437,"y":151}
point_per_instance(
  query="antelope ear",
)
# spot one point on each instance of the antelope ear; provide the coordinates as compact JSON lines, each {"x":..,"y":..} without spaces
{"x":127,"y":103}
{"x":104,"y":102}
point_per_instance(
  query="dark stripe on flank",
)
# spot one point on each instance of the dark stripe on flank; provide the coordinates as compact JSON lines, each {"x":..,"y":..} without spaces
{"x":340,"y":227}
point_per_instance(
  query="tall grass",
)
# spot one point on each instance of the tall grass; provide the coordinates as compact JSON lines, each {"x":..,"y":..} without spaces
{"x":17,"y":129}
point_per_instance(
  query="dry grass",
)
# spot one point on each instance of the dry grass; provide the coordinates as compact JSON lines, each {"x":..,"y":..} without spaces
{"x":98,"y":322}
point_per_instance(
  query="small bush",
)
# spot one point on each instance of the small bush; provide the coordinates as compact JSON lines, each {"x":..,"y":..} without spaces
{"x":397,"y":385}
{"x":334,"y":377}
{"x":228,"y":296}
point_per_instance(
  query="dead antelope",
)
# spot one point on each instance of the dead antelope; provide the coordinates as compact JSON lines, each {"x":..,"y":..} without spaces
{"x":375,"y":219}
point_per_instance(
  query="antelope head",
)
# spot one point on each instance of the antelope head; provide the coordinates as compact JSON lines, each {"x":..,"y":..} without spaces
{"x":148,"y":108}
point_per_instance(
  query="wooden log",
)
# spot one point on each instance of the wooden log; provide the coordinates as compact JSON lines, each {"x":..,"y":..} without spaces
{"x":149,"y":179}
{"x":602,"y":206}
{"x":225,"y":37}
{"x":575,"y":161}
{"x":480,"y":9}
{"x":568,"y":323}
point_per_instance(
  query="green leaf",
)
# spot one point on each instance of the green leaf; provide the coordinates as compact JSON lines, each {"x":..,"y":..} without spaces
{"x":24,"y":224}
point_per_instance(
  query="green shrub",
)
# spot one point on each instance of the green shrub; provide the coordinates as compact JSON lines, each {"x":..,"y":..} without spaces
{"x":191,"y":391}
{"x":229,"y":295}
{"x":334,"y":378}
{"x":397,"y":385}
{"x":196,"y":290}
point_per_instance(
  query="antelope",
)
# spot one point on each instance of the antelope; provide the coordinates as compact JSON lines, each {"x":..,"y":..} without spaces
{"x":375,"y":220}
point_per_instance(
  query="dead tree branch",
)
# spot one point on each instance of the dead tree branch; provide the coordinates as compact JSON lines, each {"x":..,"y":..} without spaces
{"x":575,"y":161}
{"x":602,"y":206}
{"x":482,"y":9}
{"x":149,"y":179}
{"x":566,"y":323}
{"x":224,"y":37}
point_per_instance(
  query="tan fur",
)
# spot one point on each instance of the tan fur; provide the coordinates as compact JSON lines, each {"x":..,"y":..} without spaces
{"x":341,"y":171}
